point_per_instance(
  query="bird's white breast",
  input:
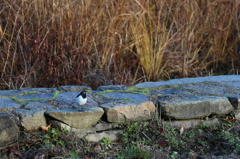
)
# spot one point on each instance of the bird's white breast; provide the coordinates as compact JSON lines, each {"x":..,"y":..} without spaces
{"x":80,"y":100}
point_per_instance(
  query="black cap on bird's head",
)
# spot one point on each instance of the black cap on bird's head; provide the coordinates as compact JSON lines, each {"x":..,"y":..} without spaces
{"x":83,"y":94}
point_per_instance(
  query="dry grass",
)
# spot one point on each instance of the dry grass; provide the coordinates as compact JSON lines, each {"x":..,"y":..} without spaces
{"x":52,"y":43}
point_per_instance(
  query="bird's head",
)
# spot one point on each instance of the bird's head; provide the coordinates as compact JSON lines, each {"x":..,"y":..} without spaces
{"x":83,"y":94}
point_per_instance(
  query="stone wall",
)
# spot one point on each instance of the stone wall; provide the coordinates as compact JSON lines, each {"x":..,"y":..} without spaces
{"x":180,"y":102}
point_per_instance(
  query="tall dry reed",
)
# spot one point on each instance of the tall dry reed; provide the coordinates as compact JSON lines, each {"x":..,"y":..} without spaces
{"x":53,"y":43}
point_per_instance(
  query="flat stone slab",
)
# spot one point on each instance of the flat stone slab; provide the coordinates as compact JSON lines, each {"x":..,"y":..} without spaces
{"x":4,"y":93}
{"x":41,"y":90}
{"x":125,"y":96}
{"x":76,"y":118}
{"x":7,"y":105}
{"x":39,"y":105}
{"x":221,"y":78}
{"x":73,"y":88}
{"x":16,"y":92}
{"x":119,"y":112}
{"x":36,"y":96}
{"x":66,"y":97}
{"x":112,"y":87}
{"x":190,"y":107}
{"x":171,"y":91}
{"x":212,"y":88}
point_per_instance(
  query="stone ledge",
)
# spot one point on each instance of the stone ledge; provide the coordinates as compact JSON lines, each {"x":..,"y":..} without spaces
{"x":76,"y":118}
{"x":185,"y":101}
{"x":190,"y":107}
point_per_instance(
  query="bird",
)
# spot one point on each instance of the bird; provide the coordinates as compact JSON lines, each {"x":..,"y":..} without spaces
{"x":81,"y":98}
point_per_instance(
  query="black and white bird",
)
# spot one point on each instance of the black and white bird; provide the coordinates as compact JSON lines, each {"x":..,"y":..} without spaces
{"x":81,"y":98}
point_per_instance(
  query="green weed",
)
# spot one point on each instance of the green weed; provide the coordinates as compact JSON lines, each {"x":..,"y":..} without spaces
{"x":55,"y":94}
{"x":106,"y":143}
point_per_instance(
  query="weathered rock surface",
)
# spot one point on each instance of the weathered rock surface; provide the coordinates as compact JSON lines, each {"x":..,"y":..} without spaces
{"x":32,"y":116}
{"x":41,"y":90}
{"x":7,"y":105}
{"x":32,"y":96}
{"x":112,"y":135}
{"x":101,"y":126}
{"x":190,"y":107}
{"x":73,"y":88}
{"x":82,"y":117}
{"x":221,"y":78}
{"x":172,"y":91}
{"x":112,"y":87}
{"x":31,"y":119}
{"x":98,"y":128}
{"x":39,"y":105}
{"x":58,"y":124}
{"x":9,"y":130}
{"x":125,"y":96}
{"x":186,"y":124}
{"x":118,"y":112}
{"x":66,"y":98}
{"x":212,"y":88}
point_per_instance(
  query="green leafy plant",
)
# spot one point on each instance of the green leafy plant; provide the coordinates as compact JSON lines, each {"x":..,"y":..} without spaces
{"x":172,"y":137}
{"x":174,"y":155}
{"x":74,"y":155}
{"x":106,"y":143}
{"x":131,"y":134}
{"x":53,"y":137}
{"x":233,"y":141}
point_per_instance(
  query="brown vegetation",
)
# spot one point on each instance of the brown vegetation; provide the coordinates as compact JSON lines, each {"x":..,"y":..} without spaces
{"x":65,"y":42}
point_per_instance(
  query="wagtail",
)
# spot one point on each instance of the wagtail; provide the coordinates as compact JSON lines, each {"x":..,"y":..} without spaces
{"x":81,"y":98}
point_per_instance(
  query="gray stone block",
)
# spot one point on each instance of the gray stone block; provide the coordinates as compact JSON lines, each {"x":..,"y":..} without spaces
{"x":9,"y":130}
{"x":84,"y":117}
{"x":119,"y":112}
{"x":31,"y":119}
{"x":192,"y":107}
{"x":212,"y":88}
